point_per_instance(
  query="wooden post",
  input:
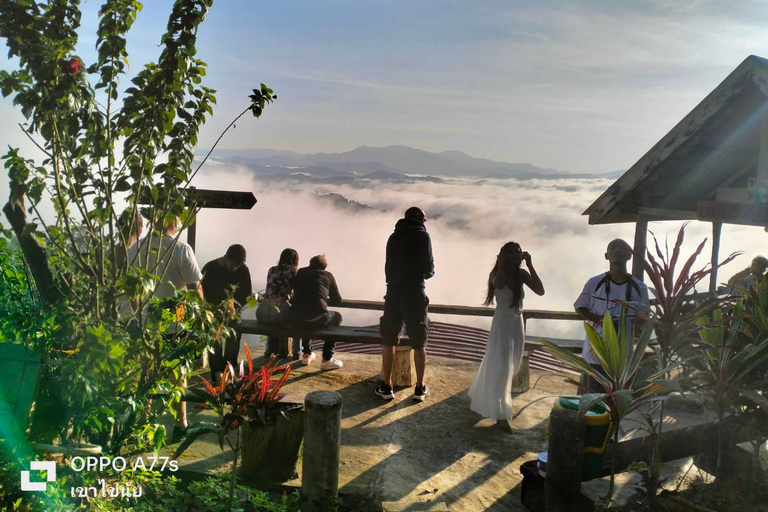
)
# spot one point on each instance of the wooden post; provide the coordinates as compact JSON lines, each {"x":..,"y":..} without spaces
{"x":641,"y":234}
{"x":565,"y":460}
{"x":322,"y":441}
{"x":403,"y":374}
{"x":192,"y":234}
{"x":717,"y":228}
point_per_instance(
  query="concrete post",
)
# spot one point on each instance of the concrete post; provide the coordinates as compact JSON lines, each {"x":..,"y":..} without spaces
{"x":322,"y":440}
{"x":565,"y":460}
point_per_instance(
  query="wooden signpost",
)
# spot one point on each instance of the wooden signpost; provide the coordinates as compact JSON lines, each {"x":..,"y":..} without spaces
{"x":204,"y":198}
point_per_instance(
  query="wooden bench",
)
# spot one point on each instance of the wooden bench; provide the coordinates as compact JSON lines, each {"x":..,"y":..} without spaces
{"x":403,"y":373}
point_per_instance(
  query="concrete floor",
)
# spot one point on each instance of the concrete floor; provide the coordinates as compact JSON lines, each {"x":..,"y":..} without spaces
{"x":436,"y":455}
{"x":414,"y":456}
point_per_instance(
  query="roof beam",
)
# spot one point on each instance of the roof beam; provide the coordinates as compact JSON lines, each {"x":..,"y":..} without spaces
{"x":666,"y":214}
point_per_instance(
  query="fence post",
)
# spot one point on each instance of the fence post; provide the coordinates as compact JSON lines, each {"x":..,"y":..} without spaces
{"x":565,"y":460}
{"x":322,"y":441}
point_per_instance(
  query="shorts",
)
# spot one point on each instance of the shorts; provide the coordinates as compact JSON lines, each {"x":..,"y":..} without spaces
{"x":409,"y":308}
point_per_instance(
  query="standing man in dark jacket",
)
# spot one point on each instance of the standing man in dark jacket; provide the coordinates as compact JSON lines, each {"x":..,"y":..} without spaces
{"x":409,"y":263}
{"x":314,"y":288}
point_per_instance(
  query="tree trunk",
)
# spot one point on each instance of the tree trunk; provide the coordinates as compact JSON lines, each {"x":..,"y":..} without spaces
{"x":34,"y":253}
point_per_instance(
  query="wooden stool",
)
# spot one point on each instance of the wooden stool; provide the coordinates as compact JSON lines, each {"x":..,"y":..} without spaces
{"x":403,"y":374}
{"x":521,"y":382}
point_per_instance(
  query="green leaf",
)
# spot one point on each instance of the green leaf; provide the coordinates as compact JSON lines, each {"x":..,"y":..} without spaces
{"x":589,"y":400}
{"x":116,"y":351}
{"x":623,"y":399}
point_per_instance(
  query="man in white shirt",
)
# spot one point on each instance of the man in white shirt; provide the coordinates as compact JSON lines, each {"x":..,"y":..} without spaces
{"x":177,"y":267}
{"x":607,"y":291}
{"x":182,"y":270}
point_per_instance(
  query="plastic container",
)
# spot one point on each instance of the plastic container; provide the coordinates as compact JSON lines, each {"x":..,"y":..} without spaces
{"x":542,"y":464}
{"x":598,"y":431}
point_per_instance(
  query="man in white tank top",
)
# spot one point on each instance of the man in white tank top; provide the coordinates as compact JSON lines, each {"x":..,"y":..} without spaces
{"x":606,"y":291}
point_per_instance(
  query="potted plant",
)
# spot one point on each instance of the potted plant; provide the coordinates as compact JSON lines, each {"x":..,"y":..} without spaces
{"x":253,"y":420}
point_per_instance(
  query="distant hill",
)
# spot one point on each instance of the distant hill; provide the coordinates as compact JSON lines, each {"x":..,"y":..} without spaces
{"x":390,"y":162}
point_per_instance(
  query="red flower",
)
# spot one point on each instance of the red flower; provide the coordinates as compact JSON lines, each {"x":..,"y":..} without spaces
{"x":71,"y":66}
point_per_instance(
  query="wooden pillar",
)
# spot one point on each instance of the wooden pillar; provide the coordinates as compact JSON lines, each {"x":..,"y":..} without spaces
{"x":641,"y":233}
{"x":403,"y":374}
{"x":717,"y":228}
{"x":192,"y":233}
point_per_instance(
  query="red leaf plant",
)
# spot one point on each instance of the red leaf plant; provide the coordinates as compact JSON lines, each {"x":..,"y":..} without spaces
{"x":677,"y":307}
{"x":241,"y":397}
{"x":246,"y":396}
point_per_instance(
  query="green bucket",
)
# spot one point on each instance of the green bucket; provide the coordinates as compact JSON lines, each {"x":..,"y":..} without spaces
{"x":596,"y":435}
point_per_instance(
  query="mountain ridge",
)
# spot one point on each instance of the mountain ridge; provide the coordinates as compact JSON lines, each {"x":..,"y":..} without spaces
{"x":380,"y":161}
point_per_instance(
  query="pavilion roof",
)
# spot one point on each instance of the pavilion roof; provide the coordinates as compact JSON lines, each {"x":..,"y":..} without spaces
{"x":715,"y":148}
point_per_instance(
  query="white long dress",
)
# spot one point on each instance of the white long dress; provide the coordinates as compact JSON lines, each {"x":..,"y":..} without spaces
{"x":491,"y":390}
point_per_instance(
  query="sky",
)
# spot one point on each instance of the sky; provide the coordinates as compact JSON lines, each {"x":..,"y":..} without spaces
{"x":584,"y":86}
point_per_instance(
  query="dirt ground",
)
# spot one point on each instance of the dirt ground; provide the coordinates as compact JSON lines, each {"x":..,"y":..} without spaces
{"x":404,"y":455}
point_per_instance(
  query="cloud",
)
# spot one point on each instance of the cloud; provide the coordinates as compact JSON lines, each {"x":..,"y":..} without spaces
{"x":474,"y":218}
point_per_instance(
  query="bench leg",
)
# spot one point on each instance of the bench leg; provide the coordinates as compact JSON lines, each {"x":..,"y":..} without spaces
{"x":284,"y":347}
{"x":202,"y":362}
{"x":403,"y":373}
{"x":521,"y":382}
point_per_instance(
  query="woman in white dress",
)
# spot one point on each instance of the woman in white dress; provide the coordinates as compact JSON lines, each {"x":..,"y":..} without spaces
{"x":491,"y":390}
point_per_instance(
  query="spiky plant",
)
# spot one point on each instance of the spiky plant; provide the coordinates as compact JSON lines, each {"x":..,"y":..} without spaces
{"x":674,"y":312}
{"x":628,"y":383}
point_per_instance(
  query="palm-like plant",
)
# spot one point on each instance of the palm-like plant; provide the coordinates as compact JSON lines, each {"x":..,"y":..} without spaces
{"x":628,"y":383}
{"x":674,"y":313}
{"x":727,"y":362}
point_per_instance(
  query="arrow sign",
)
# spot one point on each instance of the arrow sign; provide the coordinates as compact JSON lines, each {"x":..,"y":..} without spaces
{"x":230,"y":199}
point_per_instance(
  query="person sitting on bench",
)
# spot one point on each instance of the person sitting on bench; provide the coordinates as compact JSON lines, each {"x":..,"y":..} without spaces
{"x":314,"y":288}
{"x":275,"y":305}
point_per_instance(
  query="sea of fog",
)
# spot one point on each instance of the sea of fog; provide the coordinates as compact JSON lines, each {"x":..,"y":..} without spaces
{"x":469,"y":220}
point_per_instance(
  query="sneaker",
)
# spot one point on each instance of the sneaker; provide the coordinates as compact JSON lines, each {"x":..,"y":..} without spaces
{"x":331,"y":364}
{"x":384,"y":391}
{"x":421,"y":393}
{"x":307,"y":358}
